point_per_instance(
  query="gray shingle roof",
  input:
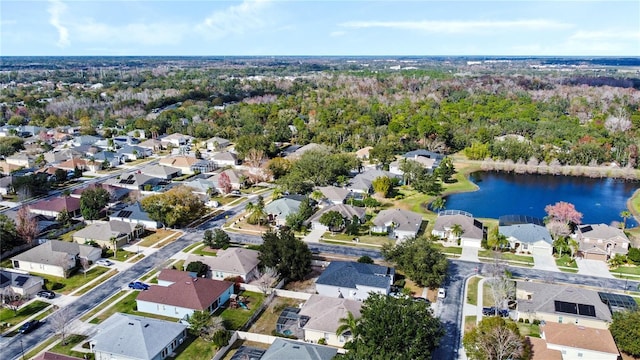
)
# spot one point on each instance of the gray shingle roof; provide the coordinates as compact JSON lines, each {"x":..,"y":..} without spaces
{"x":52,"y":251}
{"x":471,"y":228}
{"x":347,"y":211}
{"x":104,"y":231}
{"x":325,"y":312}
{"x":282,"y":349}
{"x":349,"y":274}
{"x":283,"y":207}
{"x":364,"y":180}
{"x":403,"y":219}
{"x":527,"y":233}
{"x":135,"y":337}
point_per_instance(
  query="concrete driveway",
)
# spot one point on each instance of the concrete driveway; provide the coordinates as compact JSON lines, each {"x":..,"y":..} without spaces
{"x":544,"y":262}
{"x":469,"y":253}
{"x":593,"y":268}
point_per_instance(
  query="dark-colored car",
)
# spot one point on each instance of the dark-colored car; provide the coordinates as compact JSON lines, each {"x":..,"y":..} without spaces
{"x":137,"y":285}
{"x":47,"y":294}
{"x":421,"y":299}
{"x":29,"y":326}
{"x":491,"y":311}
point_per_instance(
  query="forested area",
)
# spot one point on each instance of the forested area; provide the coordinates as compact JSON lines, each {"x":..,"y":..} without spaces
{"x":499,"y":113}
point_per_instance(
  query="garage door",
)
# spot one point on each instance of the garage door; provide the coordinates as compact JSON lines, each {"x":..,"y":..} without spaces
{"x":476,"y":243}
{"x":537,"y":250}
{"x":600,"y":257}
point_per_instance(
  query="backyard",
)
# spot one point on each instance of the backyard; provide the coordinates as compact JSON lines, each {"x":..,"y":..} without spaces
{"x":236,"y":318}
{"x":266,"y":323}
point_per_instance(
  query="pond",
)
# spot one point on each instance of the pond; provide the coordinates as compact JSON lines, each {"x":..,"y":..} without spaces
{"x":599,"y":200}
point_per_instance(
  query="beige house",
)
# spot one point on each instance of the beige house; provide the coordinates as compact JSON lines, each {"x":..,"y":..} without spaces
{"x":561,"y":304}
{"x":105,"y":233}
{"x":55,"y":257}
{"x":231,"y":262}
{"x":320,"y":318}
{"x":577,"y":342}
{"x":21,"y":159}
{"x":601,"y":242}
{"x":184,"y":163}
{"x":472,"y":230}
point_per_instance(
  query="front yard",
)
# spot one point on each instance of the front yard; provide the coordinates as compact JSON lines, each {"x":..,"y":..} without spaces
{"x":75,"y":281}
{"x":128,"y":306}
{"x":472,"y":290}
{"x":9,"y":316}
{"x":266,"y":323}
{"x":153,"y":237}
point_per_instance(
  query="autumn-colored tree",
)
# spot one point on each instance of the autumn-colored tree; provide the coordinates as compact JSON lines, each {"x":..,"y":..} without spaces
{"x":26,"y":225}
{"x":224,"y":183}
{"x":564,"y":212}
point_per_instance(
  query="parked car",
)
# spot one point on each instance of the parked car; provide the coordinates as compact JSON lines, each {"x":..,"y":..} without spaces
{"x":491,"y":311}
{"x":104,"y":262}
{"x":421,"y":299}
{"x":137,"y":285}
{"x":47,"y":294}
{"x":29,"y":326}
{"x":441,"y":293}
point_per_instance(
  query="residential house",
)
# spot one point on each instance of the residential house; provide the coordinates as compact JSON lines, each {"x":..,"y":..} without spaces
{"x":320,"y":318}
{"x":334,"y":194}
{"x":21,"y":160}
{"x":286,"y":349}
{"x":231,"y":262}
{"x":178,"y":295}
{"x":601,"y":242}
{"x":224,"y":159}
{"x":55,"y":257}
{"x":278,"y":210}
{"x":347,"y":212}
{"x":427,"y":159}
{"x":362,"y":183}
{"x":235,"y":177}
{"x":201,"y":186}
{"x":20,"y":283}
{"x":184,"y":163}
{"x":107,"y":232}
{"x":116,"y":194}
{"x":397,"y":223}
{"x":176,"y":139}
{"x":363,"y":154}
{"x":134,"y":214}
{"x":54,"y":356}
{"x":135,"y":181}
{"x":295,"y":151}
{"x":540,"y":351}
{"x":203,"y":166}
{"x":154,"y":145}
{"x":125,"y":336}
{"x":72,"y":164}
{"x":576,"y":342}
{"x":108,"y":159}
{"x":54,"y":206}
{"x":473,"y":230}
{"x":6,"y":185}
{"x":526,"y":235}
{"x":353,"y":280}
{"x":132,"y":153}
{"x":561,"y":304}
{"x":217,"y":143}
{"x":85,"y":140}
{"x":161,"y":172}
{"x":55,"y":157}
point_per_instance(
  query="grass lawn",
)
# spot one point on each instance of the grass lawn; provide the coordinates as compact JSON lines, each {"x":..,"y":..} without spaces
{"x":72,"y":340}
{"x":506,"y":256}
{"x":84,"y":290}
{"x":6,"y":263}
{"x":178,"y":265}
{"x":628,"y":269}
{"x":363,"y":239}
{"x":194,"y":348}
{"x":469,"y":323}
{"x":566,"y":261}
{"x":65,"y":286}
{"x":224,"y":200}
{"x":529,"y":329}
{"x":205,"y":251}
{"x":152,"y":237}
{"x":472,"y":290}
{"x":487,"y":298}
{"x":43,"y":345}
{"x":127,"y":306}
{"x":103,"y":305}
{"x":10,"y":316}
{"x":236,"y":318}
{"x":267,"y":321}
{"x":342,"y":243}
{"x":192,"y":246}
{"x":448,"y":249}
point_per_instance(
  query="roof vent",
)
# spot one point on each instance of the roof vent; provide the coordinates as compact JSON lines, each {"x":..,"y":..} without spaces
{"x":296,"y":347}
{"x":146,"y":325}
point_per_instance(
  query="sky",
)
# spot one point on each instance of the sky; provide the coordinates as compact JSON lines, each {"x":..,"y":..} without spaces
{"x":328,"y":27}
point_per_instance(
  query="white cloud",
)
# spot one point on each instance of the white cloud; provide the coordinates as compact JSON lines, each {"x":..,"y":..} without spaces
{"x":609,"y":34}
{"x":151,"y":34}
{"x":56,"y":10}
{"x":459,"y":27}
{"x":237,"y":19}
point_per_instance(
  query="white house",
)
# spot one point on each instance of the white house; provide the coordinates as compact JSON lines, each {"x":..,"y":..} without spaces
{"x":472,"y":230}
{"x":231,"y":262}
{"x":353,"y":280}
{"x":55,"y":257}
{"x":397,"y":223}
{"x":577,"y":342}
{"x":320,"y":316}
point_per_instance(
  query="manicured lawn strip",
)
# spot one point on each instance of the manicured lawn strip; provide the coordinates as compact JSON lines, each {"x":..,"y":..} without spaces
{"x":631,"y":270}
{"x":472,"y":290}
{"x":122,"y":255}
{"x":168,"y":240}
{"x":224,"y":200}
{"x":566,"y":261}
{"x":363,"y":239}
{"x":194,"y":347}
{"x":136,"y":258}
{"x":487,"y":298}
{"x":8,"y":315}
{"x":156,"y":236}
{"x":43,"y":345}
{"x":448,"y":249}
{"x":236,"y":318}
{"x":84,"y":290}
{"x":66,"y":286}
{"x":506,"y":256}
{"x":529,"y":329}
{"x":126,"y":305}
{"x":178,"y":265}
{"x":204,"y":251}
{"x":192,"y":246}
{"x":72,"y":340}
{"x":568,"y":270}
{"x":469,"y":323}
{"x":348,"y":243}
{"x":103,"y":305}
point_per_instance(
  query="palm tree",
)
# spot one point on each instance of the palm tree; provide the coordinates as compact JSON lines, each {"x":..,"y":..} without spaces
{"x":348,"y":324}
{"x":457,"y":230}
{"x":257,"y":215}
{"x":573,"y":246}
{"x":438,"y":204}
{"x":625,"y":214}
{"x":114,"y":241}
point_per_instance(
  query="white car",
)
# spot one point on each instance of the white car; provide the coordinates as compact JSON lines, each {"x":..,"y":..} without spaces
{"x":104,"y":262}
{"x":441,"y":293}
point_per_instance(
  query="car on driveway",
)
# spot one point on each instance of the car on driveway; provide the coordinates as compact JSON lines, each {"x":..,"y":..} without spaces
{"x":491,"y":311}
{"x":104,"y":262}
{"x":47,"y":294}
{"x":441,"y":293}
{"x":29,"y":326}
{"x":421,"y":299}
{"x":138,"y":285}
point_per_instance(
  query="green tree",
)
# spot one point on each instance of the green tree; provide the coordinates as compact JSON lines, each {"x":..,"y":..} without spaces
{"x":383,"y":153}
{"x":457,"y":230}
{"x":495,"y":338}
{"x":427,"y":183}
{"x":207,"y":238}
{"x":61,"y":175}
{"x":446,"y":170}
{"x":496,"y":240}
{"x":634,"y":255}
{"x":92,"y":201}
{"x":353,"y":226}
{"x":333,"y":220}
{"x":221,"y":239}
{"x":296,"y":221}
{"x":477,"y":151}
{"x":176,"y":207}
{"x":198,"y":267}
{"x":257,"y":214}
{"x":8,"y":234}
{"x":348,"y":326}
{"x":438,"y":204}
{"x":419,"y":259}
{"x":364,"y":259}
{"x":625,"y":329}
{"x":418,"y":336}
{"x":625,"y":214}
{"x":382,"y":185}
{"x":282,"y":251}
{"x":64,"y":218}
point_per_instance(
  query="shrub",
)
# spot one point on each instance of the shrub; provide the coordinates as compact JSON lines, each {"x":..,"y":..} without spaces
{"x":221,"y":338}
{"x":322,"y":341}
{"x":520,"y":320}
{"x":536,"y":322}
{"x":400,"y":283}
{"x":526,"y":321}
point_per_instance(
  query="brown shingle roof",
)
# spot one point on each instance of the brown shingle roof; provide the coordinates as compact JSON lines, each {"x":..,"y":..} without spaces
{"x":58,"y":204}
{"x":579,"y":337}
{"x":539,"y":350}
{"x":186,"y":292}
{"x":53,"y":356}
